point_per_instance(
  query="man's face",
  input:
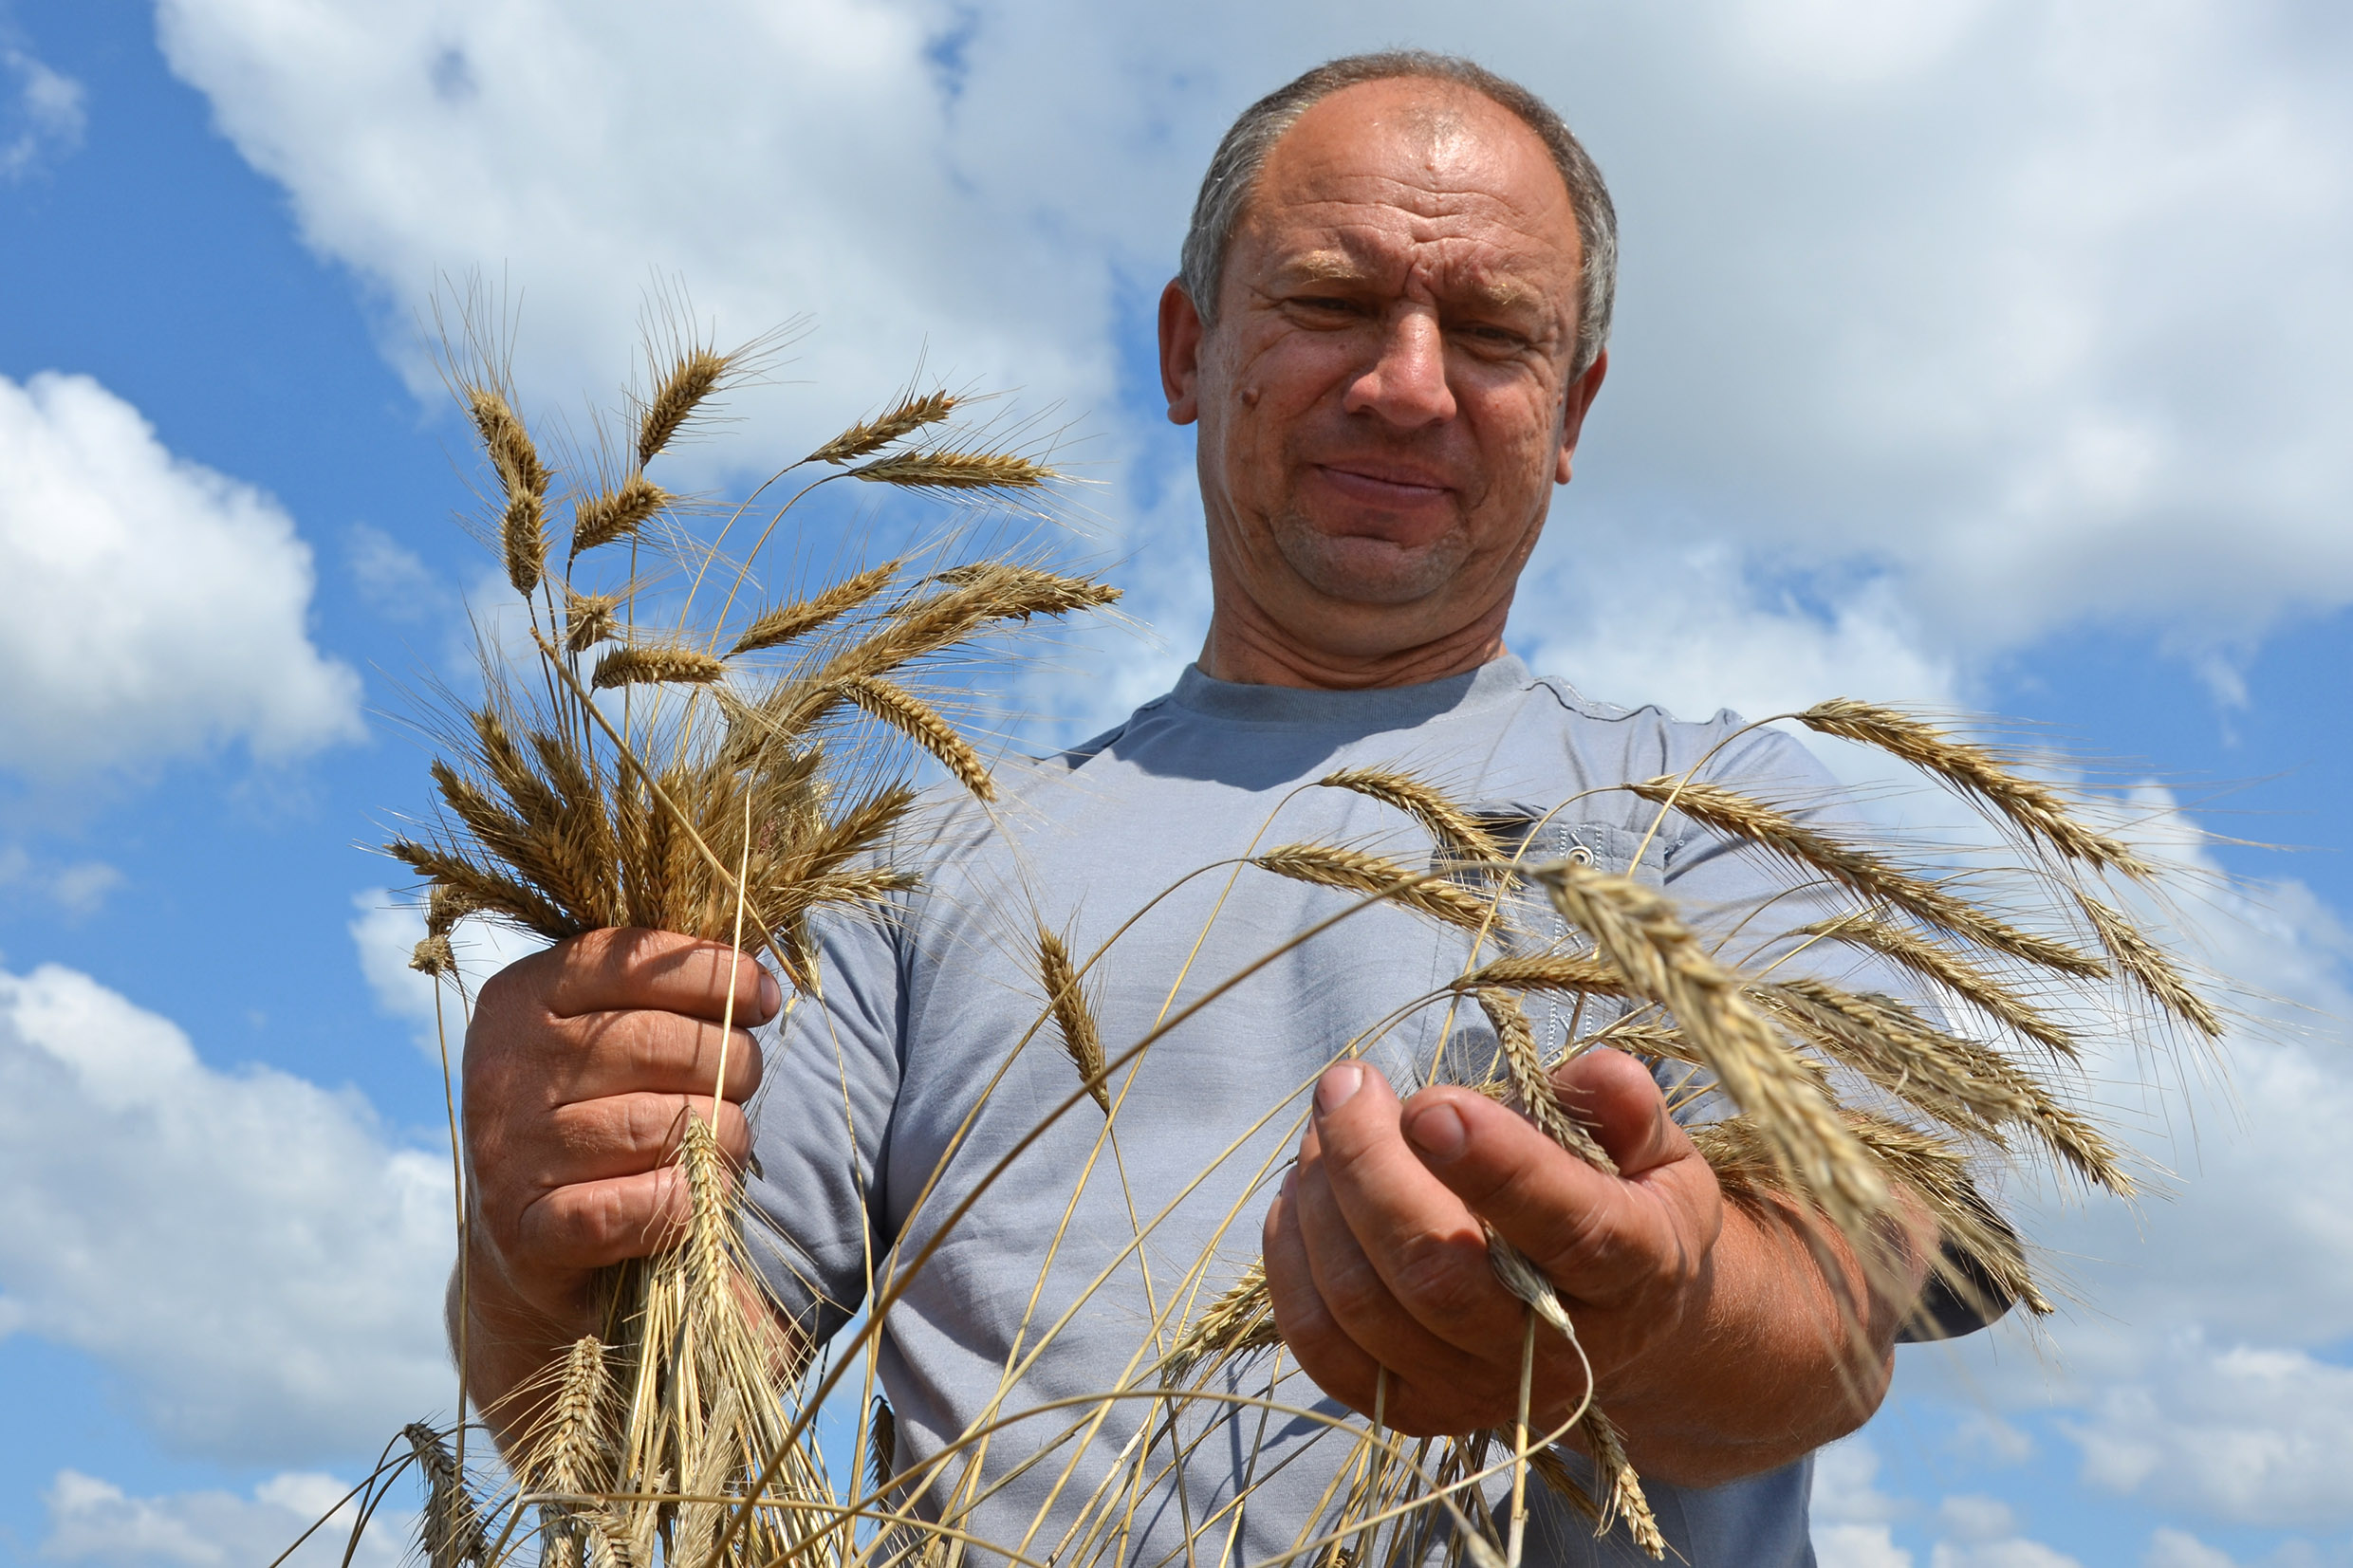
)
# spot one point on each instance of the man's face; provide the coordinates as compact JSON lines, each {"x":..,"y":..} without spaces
{"x":1386,"y":400}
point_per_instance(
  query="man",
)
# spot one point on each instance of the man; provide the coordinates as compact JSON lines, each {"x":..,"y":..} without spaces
{"x":1389,"y":329}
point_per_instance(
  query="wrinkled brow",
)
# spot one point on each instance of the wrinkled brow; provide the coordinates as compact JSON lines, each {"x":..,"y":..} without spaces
{"x":1339,"y":267}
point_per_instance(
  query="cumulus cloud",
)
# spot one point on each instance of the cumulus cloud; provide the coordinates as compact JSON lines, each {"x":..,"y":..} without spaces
{"x":385,"y":928}
{"x":96,"y":1522}
{"x":248,"y":1252}
{"x":2019,"y":316}
{"x":2198,"y":1375}
{"x":41,"y":113}
{"x":157,"y":608}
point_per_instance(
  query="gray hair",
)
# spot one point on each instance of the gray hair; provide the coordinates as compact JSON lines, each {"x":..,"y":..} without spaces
{"x":1233,"y":172}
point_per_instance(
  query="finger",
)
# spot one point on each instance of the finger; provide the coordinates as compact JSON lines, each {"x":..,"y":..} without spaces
{"x":1340,"y":1366}
{"x":1617,"y":1099}
{"x":623,"y":970}
{"x":655,"y":1053}
{"x":626,"y":1134}
{"x":1399,"y":1258}
{"x":593,"y":1225}
{"x":1604,"y":1240}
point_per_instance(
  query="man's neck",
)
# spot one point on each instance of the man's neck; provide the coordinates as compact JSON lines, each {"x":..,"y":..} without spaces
{"x":1243,"y":650}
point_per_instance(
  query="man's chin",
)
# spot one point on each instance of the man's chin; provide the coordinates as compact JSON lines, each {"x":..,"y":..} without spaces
{"x":1369,"y":571}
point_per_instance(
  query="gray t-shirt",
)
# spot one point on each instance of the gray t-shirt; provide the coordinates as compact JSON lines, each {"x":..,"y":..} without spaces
{"x":891,"y":1099}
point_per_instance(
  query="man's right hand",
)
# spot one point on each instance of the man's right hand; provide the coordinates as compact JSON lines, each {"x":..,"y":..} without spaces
{"x":581,"y":1064}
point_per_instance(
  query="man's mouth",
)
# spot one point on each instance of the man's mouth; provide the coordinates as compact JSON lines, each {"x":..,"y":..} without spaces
{"x":1389,"y":487}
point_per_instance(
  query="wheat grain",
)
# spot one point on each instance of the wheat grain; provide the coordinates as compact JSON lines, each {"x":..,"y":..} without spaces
{"x":1357,"y":870}
{"x":1080,"y":1037}
{"x":2149,"y":968}
{"x":642,"y":664}
{"x":786,"y":622}
{"x":615,"y":514}
{"x":2035,"y":809}
{"x":1872,"y":875}
{"x":908,"y":415}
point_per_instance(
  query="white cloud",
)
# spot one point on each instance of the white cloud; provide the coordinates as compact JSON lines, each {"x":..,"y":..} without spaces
{"x":246,"y":1249}
{"x":390,"y":577}
{"x":1858,"y":1546}
{"x":2014,"y":336}
{"x":96,"y":1522}
{"x":385,"y":931}
{"x":79,"y":889}
{"x":2195,"y":1375}
{"x":2171,"y":1548}
{"x":41,"y":115}
{"x":2011,"y":1552}
{"x":157,"y":608}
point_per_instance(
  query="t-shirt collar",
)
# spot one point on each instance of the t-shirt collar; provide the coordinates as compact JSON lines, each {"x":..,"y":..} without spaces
{"x":1374,"y":708}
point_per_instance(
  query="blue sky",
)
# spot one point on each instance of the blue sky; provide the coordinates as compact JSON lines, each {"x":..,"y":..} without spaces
{"x":1980,"y":353}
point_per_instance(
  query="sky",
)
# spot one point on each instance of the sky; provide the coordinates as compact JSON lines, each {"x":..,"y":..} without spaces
{"x":1977,"y":353}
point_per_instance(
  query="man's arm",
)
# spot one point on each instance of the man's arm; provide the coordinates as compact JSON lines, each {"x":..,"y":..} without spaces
{"x":1718,"y":1344}
{"x":581,"y":1064}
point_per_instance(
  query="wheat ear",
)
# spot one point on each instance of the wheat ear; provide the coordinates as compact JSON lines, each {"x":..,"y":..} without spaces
{"x":1357,"y":870}
{"x":617,"y":513}
{"x":1452,"y":827}
{"x":904,"y":712}
{"x":649,"y":664}
{"x":1072,"y":1017}
{"x":588,"y":620}
{"x":452,"y":1525}
{"x":1943,"y":966}
{"x":955,"y":471}
{"x":786,"y":622}
{"x":694,"y":377}
{"x":1637,"y":930}
{"x":1872,"y":875}
{"x":1240,"y":1319}
{"x":910,"y":415}
{"x":2149,"y":968}
{"x":1532,"y":1085}
{"x":2036,"y":809}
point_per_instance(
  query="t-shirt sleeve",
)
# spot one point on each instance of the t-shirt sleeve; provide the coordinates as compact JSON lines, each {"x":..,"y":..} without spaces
{"x":821,"y":1121}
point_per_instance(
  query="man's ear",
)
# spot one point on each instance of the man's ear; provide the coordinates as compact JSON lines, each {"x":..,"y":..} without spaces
{"x":1580,"y":395}
{"x":1180,"y":354}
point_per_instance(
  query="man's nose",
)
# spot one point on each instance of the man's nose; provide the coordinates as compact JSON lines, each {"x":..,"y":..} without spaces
{"x":1406,"y":385}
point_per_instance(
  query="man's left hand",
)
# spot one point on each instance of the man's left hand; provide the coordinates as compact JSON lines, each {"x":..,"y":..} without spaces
{"x":1713,"y":1337}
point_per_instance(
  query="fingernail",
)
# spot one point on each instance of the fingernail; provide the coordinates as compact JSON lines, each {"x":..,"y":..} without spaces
{"x":1338,"y":1087}
{"x":1438,"y":1132}
{"x":771,"y":994}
